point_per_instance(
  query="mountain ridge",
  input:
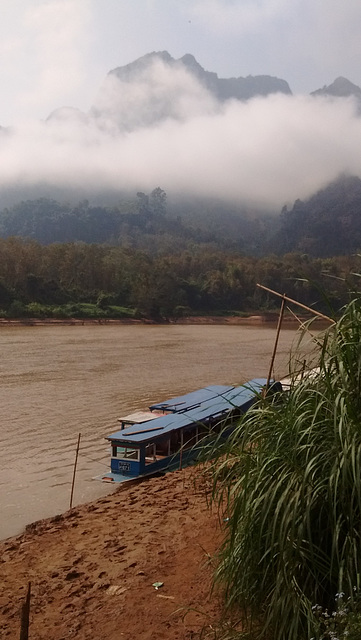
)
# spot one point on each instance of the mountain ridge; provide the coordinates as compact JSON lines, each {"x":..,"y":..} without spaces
{"x":223,"y":88}
{"x":341,"y":88}
{"x":153,"y":101}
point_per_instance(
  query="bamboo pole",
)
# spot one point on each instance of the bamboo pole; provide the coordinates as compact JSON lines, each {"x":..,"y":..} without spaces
{"x":74,"y":471}
{"x":181,"y":452}
{"x":25,"y":615}
{"x":302,"y":323}
{"x":279,"y":324}
{"x":280,"y":295}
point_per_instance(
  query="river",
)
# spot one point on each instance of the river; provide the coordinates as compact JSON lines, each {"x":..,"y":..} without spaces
{"x":59,"y":381}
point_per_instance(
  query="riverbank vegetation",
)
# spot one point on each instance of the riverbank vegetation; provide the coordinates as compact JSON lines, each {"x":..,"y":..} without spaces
{"x":147,"y":257}
{"x":289,"y":486}
{"x":78,"y":280}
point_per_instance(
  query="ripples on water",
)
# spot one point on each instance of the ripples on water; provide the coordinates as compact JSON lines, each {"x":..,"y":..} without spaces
{"x":59,"y":381}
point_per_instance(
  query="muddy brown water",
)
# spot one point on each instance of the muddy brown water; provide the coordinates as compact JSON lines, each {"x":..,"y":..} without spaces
{"x":57,"y":382}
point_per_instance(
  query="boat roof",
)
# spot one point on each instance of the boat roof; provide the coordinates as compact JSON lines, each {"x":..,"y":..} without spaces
{"x":138,"y":417}
{"x":216,"y":407}
{"x":179,"y":404}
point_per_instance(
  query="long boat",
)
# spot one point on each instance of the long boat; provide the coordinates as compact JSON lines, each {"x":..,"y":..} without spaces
{"x":170,"y":435}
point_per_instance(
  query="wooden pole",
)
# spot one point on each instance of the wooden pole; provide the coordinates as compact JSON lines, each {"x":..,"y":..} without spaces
{"x":74,"y":472}
{"x":181,"y":452}
{"x":279,"y":324}
{"x":280,"y":295}
{"x":300,"y":322}
{"x":25,"y":615}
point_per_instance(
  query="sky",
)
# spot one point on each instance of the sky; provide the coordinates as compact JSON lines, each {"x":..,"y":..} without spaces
{"x":56,"y":53}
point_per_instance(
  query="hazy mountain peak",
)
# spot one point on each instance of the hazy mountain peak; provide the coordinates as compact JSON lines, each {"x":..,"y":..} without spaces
{"x":189,"y":60}
{"x":158,"y":87}
{"x":220,"y":88}
{"x":340,"y":88}
{"x":131,"y":70}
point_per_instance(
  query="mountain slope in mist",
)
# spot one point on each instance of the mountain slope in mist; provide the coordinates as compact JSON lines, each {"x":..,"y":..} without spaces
{"x":327,"y":224}
{"x":144,"y":222}
{"x":340,"y":88}
{"x":222,"y":88}
{"x":157,"y":87}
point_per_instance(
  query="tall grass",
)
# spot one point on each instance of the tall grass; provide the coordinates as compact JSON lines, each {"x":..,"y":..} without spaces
{"x":289,"y":482}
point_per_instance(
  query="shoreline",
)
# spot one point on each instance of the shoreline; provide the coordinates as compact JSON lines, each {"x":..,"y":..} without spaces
{"x":252,"y":320}
{"x":92,"y":569}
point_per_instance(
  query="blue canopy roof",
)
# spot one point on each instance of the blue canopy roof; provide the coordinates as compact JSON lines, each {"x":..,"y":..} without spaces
{"x":191,"y":400}
{"x":217,"y":407}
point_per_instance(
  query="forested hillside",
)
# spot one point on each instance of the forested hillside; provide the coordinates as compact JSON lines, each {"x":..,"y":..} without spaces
{"x":143,"y":221}
{"x":328,"y":224}
{"x":144,"y":258}
{"x":325,"y":225}
{"x":93,"y":280}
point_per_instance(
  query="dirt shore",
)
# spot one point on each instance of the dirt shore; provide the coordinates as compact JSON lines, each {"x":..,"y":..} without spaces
{"x":92,"y":569}
{"x":226,"y":320}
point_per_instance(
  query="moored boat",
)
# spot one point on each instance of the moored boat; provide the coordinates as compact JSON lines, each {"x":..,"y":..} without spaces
{"x":174,"y":439}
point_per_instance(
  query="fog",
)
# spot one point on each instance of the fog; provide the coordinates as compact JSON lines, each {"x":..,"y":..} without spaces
{"x":165,"y":129}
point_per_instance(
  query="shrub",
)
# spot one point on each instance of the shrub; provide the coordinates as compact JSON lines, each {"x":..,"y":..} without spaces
{"x":289,"y":480}
{"x":16,"y":310}
{"x":37,"y":310}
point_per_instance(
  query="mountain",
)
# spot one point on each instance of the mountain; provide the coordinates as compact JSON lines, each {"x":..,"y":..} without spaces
{"x":157,"y":87}
{"x":340,"y":88}
{"x":221,"y":88}
{"x":327,"y":224}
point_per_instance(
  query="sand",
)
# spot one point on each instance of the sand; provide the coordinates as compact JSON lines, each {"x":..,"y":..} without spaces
{"x":92,"y":569}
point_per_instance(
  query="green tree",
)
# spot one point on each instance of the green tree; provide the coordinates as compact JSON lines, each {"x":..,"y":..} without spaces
{"x":158,"y":202}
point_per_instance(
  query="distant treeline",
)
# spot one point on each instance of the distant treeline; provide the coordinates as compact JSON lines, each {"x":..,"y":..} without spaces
{"x":143,"y":258}
{"x":326,"y":225}
{"x":78,"y":280}
{"x":142,"y":221}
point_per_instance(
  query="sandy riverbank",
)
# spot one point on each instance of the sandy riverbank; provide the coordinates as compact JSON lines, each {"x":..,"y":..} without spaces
{"x":92,"y":569}
{"x":255,"y":320}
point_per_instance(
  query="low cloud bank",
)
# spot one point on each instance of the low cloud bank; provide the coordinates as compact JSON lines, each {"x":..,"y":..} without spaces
{"x":168,"y":130}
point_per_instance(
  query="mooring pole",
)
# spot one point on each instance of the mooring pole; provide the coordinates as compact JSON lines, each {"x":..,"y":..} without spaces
{"x":299,"y":304}
{"x":279,"y":324}
{"x":74,"y":472}
{"x":181,"y":452}
{"x":25,"y":615}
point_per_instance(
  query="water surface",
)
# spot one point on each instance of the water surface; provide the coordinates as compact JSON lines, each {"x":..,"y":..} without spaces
{"x":57,"y":382}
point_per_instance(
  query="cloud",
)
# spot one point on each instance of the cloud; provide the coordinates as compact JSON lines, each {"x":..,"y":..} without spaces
{"x":266,"y":152}
{"x":42,"y":51}
{"x":157,"y":92}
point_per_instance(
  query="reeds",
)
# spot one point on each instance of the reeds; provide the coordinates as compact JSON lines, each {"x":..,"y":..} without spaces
{"x":288,"y":482}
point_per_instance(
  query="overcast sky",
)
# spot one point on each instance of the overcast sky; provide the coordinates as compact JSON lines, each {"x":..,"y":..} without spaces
{"x":57,"y":52}
{"x":266,"y":152}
